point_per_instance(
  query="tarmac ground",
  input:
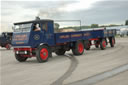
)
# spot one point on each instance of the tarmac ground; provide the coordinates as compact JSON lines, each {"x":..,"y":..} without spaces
{"x":94,"y":67}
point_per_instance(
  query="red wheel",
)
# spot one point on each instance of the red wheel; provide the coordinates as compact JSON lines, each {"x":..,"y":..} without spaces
{"x":8,"y":46}
{"x":78,"y":48}
{"x":112,"y":42}
{"x":43,"y":53}
{"x":103,"y":44}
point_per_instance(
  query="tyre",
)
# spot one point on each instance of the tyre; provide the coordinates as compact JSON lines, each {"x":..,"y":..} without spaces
{"x":20,"y":58}
{"x":112,"y":41}
{"x":103,"y":44}
{"x":8,"y":46}
{"x":78,"y":48}
{"x":97,"y":46}
{"x":87,"y":45}
{"x":60,"y":52}
{"x":43,"y":53}
{"x":96,"y":42}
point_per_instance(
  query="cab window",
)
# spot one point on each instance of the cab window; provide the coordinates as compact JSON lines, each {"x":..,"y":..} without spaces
{"x":45,"y":26}
{"x":36,"y":27}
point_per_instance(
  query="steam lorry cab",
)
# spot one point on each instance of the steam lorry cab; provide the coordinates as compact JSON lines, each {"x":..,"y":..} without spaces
{"x":29,"y":42}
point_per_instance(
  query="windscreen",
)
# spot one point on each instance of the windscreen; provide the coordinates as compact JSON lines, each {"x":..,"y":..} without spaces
{"x":22,"y":27}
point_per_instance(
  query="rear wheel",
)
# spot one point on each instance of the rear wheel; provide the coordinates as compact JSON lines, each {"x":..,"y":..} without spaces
{"x":60,"y":52}
{"x":43,"y":53}
{"x":87,"y":45}
{"x":78,"y":48}
{"x":103,"y":44}
{"x":20,"y":58}
{"x":112,"y":41}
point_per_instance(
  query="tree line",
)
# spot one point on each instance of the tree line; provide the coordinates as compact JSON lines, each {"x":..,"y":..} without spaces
{"x":94,"y":26}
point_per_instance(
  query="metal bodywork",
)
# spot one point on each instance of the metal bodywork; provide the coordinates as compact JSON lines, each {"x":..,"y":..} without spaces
{"x":83,"y":35}
{"x":26,"y":43}
{"x":34,"y":39}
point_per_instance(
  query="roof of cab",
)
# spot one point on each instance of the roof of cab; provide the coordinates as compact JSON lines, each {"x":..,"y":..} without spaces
{"x":33,"y":21}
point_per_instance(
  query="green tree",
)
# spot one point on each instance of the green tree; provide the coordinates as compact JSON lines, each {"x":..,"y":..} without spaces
{"x":126,"y":22}
{"x":94,"y":25}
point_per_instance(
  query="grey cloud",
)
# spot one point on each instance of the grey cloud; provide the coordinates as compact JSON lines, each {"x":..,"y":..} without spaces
{"x":46,"y":7}
{"x":47,"y":4}
{"x":103,"y":12}
{"x":35,"y":4}
{"x":52,"y":10}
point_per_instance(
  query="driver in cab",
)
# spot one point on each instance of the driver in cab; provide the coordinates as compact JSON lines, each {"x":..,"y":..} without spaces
{"x":37,"y":27}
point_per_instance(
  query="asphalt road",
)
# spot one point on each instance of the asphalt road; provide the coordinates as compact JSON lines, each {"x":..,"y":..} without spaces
{"x":94,"y":67}
{"x":120,"y":79}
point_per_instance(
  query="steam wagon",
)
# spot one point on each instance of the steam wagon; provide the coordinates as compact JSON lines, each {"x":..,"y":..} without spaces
{"x":38,"y":38}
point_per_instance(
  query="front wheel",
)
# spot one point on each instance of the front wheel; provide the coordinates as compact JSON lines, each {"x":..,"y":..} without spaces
{"x":20,"y":58}
{"x":43,"y":53}
{"x":78,"y":48}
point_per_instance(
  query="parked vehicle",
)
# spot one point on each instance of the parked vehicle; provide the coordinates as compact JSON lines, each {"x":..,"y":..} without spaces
{"x":38,"y":38}
{"x":5,"y":39}
{"x":123,"y":32}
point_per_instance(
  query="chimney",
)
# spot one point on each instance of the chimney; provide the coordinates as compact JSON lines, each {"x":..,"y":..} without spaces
{"x":37,"y":18}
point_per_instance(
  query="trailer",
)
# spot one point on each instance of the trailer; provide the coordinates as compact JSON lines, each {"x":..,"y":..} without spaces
{"x":5,"y":40}
{"x":38,"y":38}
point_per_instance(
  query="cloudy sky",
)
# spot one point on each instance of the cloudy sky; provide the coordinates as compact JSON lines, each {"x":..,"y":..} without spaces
{"x":88,"y":11}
